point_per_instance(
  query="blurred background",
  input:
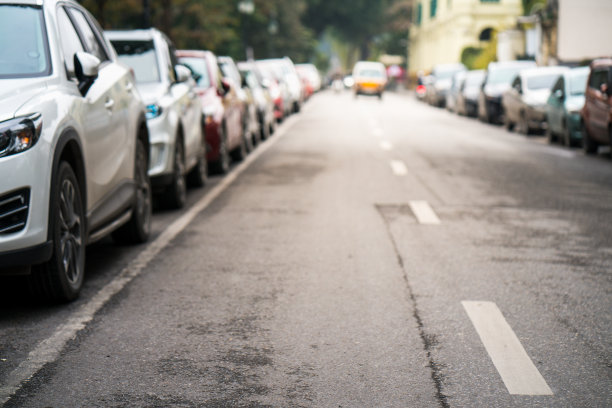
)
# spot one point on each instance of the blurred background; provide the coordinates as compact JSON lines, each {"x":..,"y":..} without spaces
{"x":414,"y":35}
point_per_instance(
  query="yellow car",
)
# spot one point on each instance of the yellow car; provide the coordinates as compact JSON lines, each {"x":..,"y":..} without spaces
{"x":370,"y":78}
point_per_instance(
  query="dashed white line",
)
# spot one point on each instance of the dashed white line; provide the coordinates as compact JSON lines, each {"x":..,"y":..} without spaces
{"x":516,"y":369}
{"x":424,"y":213}
{"x":49,"y":349}
{"x":386,"y":145}
{"x":398,"y":167}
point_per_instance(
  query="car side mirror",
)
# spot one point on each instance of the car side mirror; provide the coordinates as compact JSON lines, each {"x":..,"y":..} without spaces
{"x":225,"y":85}
{"x":183,"y":74}
{"x":86,"y":69}
{"x":265,"y":83}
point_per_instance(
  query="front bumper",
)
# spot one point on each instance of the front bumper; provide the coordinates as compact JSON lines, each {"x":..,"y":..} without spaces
{"x":30,"y":172}
{"x":162,"y":137}
{"x":536,"y":118}
{"x":494,"y":109}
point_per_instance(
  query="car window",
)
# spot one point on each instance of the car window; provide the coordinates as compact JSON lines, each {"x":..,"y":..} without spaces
{"x":541,"y":81}
{"x":577,"y":84}
{"x":559,"y":85}
{"x":197,"y":66}
{"x":23,"y":42}
{"x":172,"y":62}
{"x":598,"y":77}
{"x":141,"y":57}
{"x":90,"y":39}
{"x":69,"y":39}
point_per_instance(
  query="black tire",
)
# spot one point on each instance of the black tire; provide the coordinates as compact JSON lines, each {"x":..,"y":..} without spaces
{"x":198,"y":176}
{"x":551,"y":138}
{"x":175,"y":195}
{"x":222,"y":164}
{"x":138,"y":228}
{"x":241,"y":151}
{"x":588,"y":145}
{"x":524,"y":126}
{"x":264,"y":131}
{"x":508,"y":124}
{"x":61,"y":278}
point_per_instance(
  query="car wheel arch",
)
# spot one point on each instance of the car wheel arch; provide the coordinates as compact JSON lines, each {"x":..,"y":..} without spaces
{"x":69,"y":149}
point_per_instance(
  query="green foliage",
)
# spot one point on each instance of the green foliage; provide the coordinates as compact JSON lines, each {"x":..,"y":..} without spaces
{"x":275,"y":28}
{"x":469,"y":55}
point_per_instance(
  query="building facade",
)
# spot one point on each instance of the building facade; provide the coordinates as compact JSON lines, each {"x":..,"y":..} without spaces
{"x":442,"y":29}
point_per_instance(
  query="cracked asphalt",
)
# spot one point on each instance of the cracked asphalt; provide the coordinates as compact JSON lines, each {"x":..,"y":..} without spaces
{"x":309,"y":281}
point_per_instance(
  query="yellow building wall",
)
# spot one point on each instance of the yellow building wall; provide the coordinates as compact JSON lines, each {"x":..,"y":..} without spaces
{"x":456,"y":25}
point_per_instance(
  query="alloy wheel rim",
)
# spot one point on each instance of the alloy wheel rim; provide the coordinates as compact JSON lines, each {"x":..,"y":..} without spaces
{"x":71,"y":240}
{"x":143,"y":193}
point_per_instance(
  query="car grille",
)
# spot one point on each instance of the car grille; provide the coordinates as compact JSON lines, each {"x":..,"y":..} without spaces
{"x":14,"y":211}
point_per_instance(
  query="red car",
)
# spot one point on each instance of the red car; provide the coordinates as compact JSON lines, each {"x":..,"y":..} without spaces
{"x":597,"y":111}
{"x":222,"y":116}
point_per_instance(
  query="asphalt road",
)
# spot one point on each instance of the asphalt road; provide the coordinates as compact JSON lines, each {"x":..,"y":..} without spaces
{"x":371,"y":254}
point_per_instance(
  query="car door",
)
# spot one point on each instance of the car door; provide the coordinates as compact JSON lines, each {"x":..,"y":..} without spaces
{"x":103,"y":113}
{"x":512,"y":100}
{"x":189,"y":107}
{"x":598,"y":104}
{"x":555,"y":103}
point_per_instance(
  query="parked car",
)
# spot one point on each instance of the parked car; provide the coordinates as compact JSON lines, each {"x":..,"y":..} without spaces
{"x":309,"y":74}
{"x":564,"y":105}
{"x":272,"y":81}
{"x":73,"y":145}
{"x":285,"y":71}
{"x":217,"y":120}
{"x":370,"y":78}
{"x":441,"y":80}
{"x":524,"y":103}
{"x":263,"y":101}
{"x":174,"y":112}
{"x":467,"y":99}
{"x":453,"y":92}
{"x":239,"y":100}
{"x":498,"y":78}
{"x":597,"y":111}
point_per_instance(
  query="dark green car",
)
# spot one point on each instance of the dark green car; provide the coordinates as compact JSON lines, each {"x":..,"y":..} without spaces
{"x":564,"y":105}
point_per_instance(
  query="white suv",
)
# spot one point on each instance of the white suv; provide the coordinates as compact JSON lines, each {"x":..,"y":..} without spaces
{"x":174,"y":112}
{"x":73,"y":145}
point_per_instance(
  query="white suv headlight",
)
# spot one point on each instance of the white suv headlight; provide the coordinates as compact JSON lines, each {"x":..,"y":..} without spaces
{"x":19,"y":134}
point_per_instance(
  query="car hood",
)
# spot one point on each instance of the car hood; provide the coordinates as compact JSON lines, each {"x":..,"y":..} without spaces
{"x":535,"y":98}
{"x":496,"y":90}
{"x":443,"y":84}
{"x":574,"y":103}
{"x":152,"y":92}
{"x":16,"y":92}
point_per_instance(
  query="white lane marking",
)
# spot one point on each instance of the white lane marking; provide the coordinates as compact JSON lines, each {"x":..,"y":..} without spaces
{"x":49,"y":349}
{"x":424,"y":213}
{"x":398,"y":167}
{"x":378,"y":132}
{"x":386,"y":145}
{"x":516,"y":369}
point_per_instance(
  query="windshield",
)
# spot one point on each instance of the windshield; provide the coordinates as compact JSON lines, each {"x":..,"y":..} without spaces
{"x":445,"y":74}
{"x":474,"y":79}
{"x":140,"y":56}
{"x":370,"y":73}
{"x":503,"y":75}
{"x":198,"y":67}
{"x":542,"y":81}
{"x":577,"y":84}
{"x":24,"y":50}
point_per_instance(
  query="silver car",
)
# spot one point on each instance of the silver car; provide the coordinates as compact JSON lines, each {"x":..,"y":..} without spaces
{"x":73,"y":145}
{"x":524,"y":104}
{"x":174,"y":112}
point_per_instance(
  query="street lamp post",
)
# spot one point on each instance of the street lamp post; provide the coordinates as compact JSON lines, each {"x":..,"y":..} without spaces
{"x":246,"y":8}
